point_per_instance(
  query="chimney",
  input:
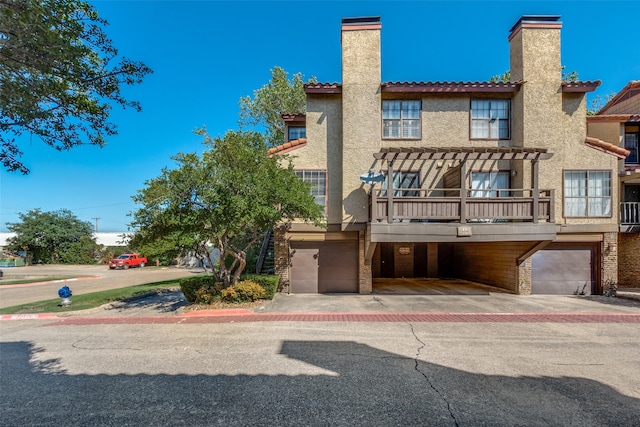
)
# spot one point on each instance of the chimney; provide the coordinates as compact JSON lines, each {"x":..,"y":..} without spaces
{"x":360,"y":39}
{"x":535,"y":49}
{"x":361,"y":109}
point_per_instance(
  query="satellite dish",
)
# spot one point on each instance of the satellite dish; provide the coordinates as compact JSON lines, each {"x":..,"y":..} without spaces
{"x":372,"y":177}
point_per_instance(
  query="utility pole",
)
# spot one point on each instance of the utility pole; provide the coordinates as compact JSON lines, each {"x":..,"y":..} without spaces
{"x":96,"y":218}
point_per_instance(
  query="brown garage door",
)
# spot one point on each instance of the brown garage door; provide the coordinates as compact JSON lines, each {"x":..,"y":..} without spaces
{"x":319,"y":267}
{"x":563,"y":270}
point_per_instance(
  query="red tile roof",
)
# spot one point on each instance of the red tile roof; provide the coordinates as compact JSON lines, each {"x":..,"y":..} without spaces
{"x":285,"y":148}
{"x":323,"y":88}
{"x":450,"y":87}
{"x":294,"y":117}
{"x":581,"y":87}
{"x":607,"y":147}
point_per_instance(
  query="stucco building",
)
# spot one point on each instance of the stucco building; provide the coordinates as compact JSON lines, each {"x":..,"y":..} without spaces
{"x":492,"y":182}
{"x":618,"y":122}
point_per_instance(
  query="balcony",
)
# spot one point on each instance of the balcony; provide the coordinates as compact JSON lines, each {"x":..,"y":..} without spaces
{"x":629,"y":217}
{"x":513,"y":205}
{"x":456,"y":212}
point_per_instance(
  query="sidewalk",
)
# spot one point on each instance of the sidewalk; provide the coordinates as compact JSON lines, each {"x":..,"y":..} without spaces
{"x":170,"y":307}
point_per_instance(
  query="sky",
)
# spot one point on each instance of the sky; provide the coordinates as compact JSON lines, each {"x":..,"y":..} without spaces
{"x":207,"y":54}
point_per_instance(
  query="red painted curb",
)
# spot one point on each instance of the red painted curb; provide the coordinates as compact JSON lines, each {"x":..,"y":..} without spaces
{"x":34,"y":316}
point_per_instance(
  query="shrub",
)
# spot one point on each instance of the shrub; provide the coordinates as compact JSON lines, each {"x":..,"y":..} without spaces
{"x":191,"y":285}
{"x":243,"y":291}
{"x":268,"y":283}
{"x":203,"y":296}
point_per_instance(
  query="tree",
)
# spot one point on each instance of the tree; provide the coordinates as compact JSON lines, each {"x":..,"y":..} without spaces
{"x":506,"y":77}
{"x":233,"y":190}
{"x":59,"y":76}
{"x":53,"y":237}
{"x":279,"y":96}
{"x":598,"y":103}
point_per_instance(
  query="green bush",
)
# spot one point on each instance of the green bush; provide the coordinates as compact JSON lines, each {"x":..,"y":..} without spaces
{"x":191,"y":285}
{"x":242,"y":292}
{"x":268,"y":283}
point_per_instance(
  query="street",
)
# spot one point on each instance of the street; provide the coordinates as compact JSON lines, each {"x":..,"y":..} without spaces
{"x":97,"y":278}
{"x":320,"y":373}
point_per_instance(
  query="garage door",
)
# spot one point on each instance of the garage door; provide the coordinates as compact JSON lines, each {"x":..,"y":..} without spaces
{"x":563,"y":270}
{"x":321,"y":267}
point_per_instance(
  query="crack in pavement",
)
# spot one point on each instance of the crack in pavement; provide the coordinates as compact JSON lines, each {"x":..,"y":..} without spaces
{"x":426,"y":377}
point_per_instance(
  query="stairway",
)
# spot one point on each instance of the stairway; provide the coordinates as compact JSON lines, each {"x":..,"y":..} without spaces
{"x":266,"y":260}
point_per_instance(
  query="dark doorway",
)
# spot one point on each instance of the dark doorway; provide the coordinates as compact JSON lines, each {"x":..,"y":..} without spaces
{"x":387,"y":267}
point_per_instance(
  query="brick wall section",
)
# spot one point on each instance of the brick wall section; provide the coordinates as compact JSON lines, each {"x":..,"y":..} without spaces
{"x":524,"y":278}
{"x":609,"y":266}
{"x":281,"y":256}
{"x":629,"y":260}
{"x":365,"y":280}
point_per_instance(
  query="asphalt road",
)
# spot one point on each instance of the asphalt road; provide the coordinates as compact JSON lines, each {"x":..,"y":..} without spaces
{"x":98,"y":278}
{"x":320,"y":374}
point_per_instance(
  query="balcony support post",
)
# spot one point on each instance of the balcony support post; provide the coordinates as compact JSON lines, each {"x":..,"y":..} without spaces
{"x":390,"y":193}
{"x":463,"y":192}
{"x":536,"y":191}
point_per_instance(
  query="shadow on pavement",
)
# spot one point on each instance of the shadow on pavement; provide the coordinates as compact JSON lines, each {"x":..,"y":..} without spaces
{"x":360,"y":385}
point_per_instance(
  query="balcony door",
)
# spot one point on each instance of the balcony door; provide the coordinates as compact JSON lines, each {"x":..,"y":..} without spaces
{"x":487,"y":184}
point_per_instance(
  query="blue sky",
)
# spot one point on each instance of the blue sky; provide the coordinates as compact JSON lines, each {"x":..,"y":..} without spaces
{"x":207,"y":54}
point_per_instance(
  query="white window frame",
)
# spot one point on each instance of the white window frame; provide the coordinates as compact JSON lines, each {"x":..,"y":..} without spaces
{"x":318,"y":180}
{"x":401,"y":119}
{"x":587,"y":193}
{"x":490,"y":119}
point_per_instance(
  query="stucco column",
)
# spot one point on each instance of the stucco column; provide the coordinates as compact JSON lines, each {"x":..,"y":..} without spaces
{"x":432,"y":260}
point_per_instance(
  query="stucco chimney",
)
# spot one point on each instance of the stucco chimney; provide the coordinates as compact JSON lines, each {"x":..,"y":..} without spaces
{"x":361,"y":109}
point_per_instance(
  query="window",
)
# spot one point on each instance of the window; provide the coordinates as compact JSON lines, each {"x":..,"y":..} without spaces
{"x":490,"y":181}
{"x":490,"y":118}
{"x":631,"y":143}
{"x":587,"y":193}
{"x":318,"y":180}
{"x":296,"y":132}
{"x":403,"y":180}
{"x":401,"y":119}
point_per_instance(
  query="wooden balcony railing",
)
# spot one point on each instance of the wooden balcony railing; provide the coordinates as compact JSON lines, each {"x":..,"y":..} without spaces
{"x":630,"y":213}
{"x":508,"y":205}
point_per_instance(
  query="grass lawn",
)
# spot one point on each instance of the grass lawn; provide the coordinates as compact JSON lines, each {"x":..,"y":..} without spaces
{"x":38,"y":280}
{"x":86,"y":301}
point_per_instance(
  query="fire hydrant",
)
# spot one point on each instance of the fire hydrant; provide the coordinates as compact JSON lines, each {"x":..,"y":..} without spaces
{"x":65,"y":293}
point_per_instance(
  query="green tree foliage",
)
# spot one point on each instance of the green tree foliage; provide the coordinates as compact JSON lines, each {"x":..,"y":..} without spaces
{"x":501,"y":78}
{"x":233,"y":190}
{"x":506,"y":77}
{"x":59,"y":76}
{"x":598,"y":103}
{"x":54,"y":237}
{"x":280,"y":96}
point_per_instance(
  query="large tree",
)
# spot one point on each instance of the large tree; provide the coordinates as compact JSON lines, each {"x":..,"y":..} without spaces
{"x":59,"y":76}
{"x":233,"y":190}
{"x":280,"y":96}
{"x":53,"y":237}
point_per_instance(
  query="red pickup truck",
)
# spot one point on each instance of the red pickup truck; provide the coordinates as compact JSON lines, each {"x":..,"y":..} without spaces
{"x":127,"y":260}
